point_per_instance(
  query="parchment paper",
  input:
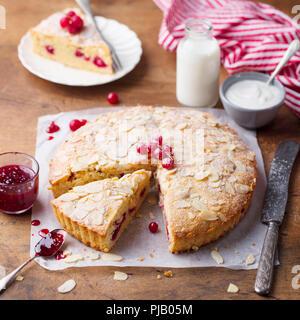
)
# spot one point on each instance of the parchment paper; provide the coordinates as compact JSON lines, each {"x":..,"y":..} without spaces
{"x":246,"y":238}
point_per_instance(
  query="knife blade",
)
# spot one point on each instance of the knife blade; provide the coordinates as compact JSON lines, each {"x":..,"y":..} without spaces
{"x":273,"y":211}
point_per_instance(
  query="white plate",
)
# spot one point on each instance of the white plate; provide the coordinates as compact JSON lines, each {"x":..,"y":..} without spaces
{"x":125,"y":41}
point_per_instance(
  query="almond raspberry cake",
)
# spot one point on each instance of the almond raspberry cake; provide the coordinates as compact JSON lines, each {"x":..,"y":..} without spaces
{"x":205,"y":174}
{"x":71,"y":39}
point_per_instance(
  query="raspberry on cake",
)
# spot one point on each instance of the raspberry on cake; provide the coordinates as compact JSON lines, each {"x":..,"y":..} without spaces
{"x":98,"y":212}
{"x":205,"y":173}
{"x":71,"y":39}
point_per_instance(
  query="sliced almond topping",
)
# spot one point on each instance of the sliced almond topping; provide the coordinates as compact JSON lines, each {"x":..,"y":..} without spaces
{"x":120,"y":276}
{"x":217,"y":257}
{"x":208,"y":215}
{"x":19,"y":278}
{"x":182,"y":204}
{"x":251,"y":156}
{"x":250,"y":259}
{"x":73,"y":258}
{"x":111,"y":257}
{"x":201,"y":175}
{"x":67,"y":286}
{"x":242,"y":188}
{"x":199,"y":205}
{"x":232,"y":288}
{"x":214,"y":184}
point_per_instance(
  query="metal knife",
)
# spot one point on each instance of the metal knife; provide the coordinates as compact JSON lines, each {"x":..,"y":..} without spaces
{"x":273,"y":211}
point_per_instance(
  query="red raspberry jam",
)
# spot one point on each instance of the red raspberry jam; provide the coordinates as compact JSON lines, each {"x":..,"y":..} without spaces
{"x":75,"y":124}
{"x":18,"y":188}
{"x":35,"y":222}
{"x":49,"y":244}
{"x":99,"y":62}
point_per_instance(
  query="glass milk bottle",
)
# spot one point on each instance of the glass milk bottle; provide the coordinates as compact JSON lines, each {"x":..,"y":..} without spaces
{"x":198,"y":66}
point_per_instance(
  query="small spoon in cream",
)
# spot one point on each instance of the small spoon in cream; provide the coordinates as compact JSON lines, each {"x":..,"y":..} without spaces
{"x":48,"y":246}
{"x":291,"y":50}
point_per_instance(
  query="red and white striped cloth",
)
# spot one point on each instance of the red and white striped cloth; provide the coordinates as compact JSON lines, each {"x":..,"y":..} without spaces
{"x":252,"y":36}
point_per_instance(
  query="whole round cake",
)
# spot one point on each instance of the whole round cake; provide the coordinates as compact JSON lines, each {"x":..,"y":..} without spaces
{"x":204,"y":172}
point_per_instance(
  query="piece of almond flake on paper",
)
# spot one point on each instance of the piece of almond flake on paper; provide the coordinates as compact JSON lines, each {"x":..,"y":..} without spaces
{"x":19,"y":278}
{"x":118,"y":275}
{"x":67,"y":286}
{"x":250,"y":259}
{"x":111,"y":257}
{"x":217,"y":257}
{"x":73,"y":258}
{"x":93,"y":255}
{"x":232,"y":288}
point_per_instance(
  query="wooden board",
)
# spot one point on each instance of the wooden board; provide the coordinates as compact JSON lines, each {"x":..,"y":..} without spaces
{"x":24,"y":97}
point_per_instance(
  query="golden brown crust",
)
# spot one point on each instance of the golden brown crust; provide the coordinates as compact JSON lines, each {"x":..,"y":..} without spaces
{"x":206,"y":194}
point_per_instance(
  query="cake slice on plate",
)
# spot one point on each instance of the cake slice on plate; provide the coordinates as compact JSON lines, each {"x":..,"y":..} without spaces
{"x":98,"y":212}
{"x":71,"y":39}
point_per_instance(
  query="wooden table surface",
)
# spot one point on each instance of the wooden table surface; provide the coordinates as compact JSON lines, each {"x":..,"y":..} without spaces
{"x":24,"y":97}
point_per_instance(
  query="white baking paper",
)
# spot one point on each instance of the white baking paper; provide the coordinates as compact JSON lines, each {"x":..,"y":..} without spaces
{"x":137,"y":242}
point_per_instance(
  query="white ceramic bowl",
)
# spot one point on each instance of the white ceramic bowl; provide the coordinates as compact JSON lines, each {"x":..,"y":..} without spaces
{"x":245,"y":117}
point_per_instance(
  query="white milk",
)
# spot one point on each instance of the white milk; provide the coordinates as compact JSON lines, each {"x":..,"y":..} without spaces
{"x":253,"y":94}
{"x":198,"y":66}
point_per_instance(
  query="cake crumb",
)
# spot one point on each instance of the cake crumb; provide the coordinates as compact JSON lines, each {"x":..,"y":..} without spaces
{"x":140,"y":259}
{"x":253,"y":244}
{"x":227,"y":247}
{"x":153,"y":250}
{"x":138,"y":214}
{"x":195,"y":248}
{"x":168,"y":274}
{"x":151,"y":215}
{"x":236,"y":251}
{"x":151,"y":255}
{"x":232,"y":288}
{"x":19,"y":278}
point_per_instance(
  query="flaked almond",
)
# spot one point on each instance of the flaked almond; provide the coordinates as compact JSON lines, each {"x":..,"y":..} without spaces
{"x":19,"y":278}
{"x":111,"y":257}
{"x":182,"y":204}
{"x":217,"y":257}
{"x":93,"y":255}
{"x":232,"y":288}
{"x":250,"y":259}
{"x":242,"y":188}
{"x":67,"y":286}
{"x":208,"y":215}
{"x":73,"y":258}
{"x":120,"y":276}
{"x":199,"y":205}
{"x":202,"y":175}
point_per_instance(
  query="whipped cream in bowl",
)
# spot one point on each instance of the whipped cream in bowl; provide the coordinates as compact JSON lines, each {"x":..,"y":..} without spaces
{"x":249,"y":100}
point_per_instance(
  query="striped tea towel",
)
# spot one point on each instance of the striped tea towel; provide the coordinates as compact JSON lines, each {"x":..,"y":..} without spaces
{"x":253,"y":37}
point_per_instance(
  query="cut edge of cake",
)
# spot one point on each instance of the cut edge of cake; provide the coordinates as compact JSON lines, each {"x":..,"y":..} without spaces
{"x":92,"y":228}
{"x":84,"y":50}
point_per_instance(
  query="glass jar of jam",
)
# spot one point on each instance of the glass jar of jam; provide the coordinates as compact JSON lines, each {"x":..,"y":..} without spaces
{"x":19,"y":182}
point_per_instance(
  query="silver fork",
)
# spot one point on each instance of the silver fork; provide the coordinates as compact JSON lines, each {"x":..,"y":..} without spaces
{"x":85,"y":6}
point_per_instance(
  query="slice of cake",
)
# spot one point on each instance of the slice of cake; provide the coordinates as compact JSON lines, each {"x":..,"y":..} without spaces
{"x":71,"y":39}
{"x":98,"y":212}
